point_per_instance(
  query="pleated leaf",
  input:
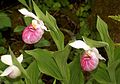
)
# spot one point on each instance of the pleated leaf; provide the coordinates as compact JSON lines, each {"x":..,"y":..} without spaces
{"x":46,"y":63}
{"x":76,"y":75}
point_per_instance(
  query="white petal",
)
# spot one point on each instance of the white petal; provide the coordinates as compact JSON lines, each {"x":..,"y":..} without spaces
{"x":44,"y":28}
{"x":15,"y":72}
{"x":39,"y":24}
{"x":97,"y":54}
{"x":7,"y":71}
{"x":79,"y":44}
{"x":25,"y":12}
{"x":7,"y":59}
{"x":20,"y":58}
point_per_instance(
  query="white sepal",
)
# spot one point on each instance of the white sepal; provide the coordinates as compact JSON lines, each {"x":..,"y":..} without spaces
{"x":79,"y":44}
{"x":25,"y":12}
{"x":20,"y":58}
{"x":7,"y":59}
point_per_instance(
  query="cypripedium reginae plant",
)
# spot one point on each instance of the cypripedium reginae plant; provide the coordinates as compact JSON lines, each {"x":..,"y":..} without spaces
{"x":90,"y":59}
{"x":12,"y":71}
{"x":32,"y":33}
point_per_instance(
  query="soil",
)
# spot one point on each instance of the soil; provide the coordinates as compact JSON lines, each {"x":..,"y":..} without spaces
{"x":105,"y":8}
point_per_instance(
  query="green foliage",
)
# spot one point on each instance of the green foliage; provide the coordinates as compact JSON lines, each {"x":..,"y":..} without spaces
{"x":83,"y":13}
{"x":117,"y":73}
{"x":33,"y":72}
{"x":103,"y":31}
{"x":102,"y":79}
{"x":61,"y":61}
{"x":4,"y":21}
{"x":50,"y":22}
{"x":19,"y":29}
{"x":53,"y":63}
{"x":76,"y":75}
{"x":112,"y":53}
{"x":2,"y":50}
{"x":42,"y":43}
{"x":27,"y":20}
{"x":24,"y":3}
{"x":94,"y":43}
{"x":116,"y":17}
{"x":46,"y":62}
{"x":53,"y":5}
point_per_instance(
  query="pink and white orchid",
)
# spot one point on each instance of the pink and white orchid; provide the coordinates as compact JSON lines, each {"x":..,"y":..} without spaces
{"x":33,"y":32}
{"x":90,"y":59}
{"x":12,"y":71}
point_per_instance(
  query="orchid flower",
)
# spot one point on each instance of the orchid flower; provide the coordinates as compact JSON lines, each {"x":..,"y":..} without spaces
{"x":32,"y":33}
{"x":12,"y":71}
{"x":90,"y":59}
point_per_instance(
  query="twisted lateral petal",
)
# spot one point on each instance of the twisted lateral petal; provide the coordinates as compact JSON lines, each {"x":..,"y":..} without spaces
{"x":7,"y":71}
{"x":79,"y":44}
{"x":97,"y":54}
{"x":15,"y":72}
{"x":20,"y":58}
{"x":7,"y":59}
{"x":25,"y":12}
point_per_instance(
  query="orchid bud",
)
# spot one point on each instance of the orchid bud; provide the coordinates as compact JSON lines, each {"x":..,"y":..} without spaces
{"x":32,"y":35}
{"x":89,"y":61}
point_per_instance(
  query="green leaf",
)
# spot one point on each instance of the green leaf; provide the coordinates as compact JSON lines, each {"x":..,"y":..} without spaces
{"x":102,"y":76}
{"x":46,"y":63}
{"x":93,"y":43}
{"x":4,"y":21}
{"x":27,"y":20}
{"x":93,"y":81}
{"x":56,"y":6}
{"x":76,"y":75}
{"x":116,"y":17}
{"x":19,"y":29}
{"x":18,"y":81}
{"x":3,"y":50}
{"x":60,"y":58}
{"x":117,"y":53}
{"x":117,"y":73}
{"x":42,"y":43}
{"x":24,"y":3}
{"x":38,"y":12}
{"x":50,"y":22}
{"x":33,"y":72}
{"x":112,"y":70}
{"x":15,"y":62}
{"x":40,"y":82}
{"x":54,"y":81}
{"x":49,"y":3}
{"x":103,"y":31}
{"x":2,"y":41}
{"x":55,"y":32}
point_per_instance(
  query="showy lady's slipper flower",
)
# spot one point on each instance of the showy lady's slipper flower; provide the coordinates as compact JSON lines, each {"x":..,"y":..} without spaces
{"x":32,"y":33}
{"x":12,"y":71}
{"x":90,"y":59}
